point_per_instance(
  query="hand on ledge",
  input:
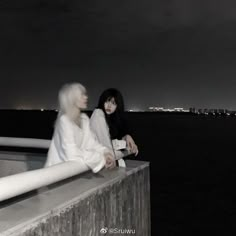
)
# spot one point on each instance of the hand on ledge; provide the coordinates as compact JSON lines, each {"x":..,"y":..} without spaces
{"x":131,"y":146}
{"x":110,"y":161}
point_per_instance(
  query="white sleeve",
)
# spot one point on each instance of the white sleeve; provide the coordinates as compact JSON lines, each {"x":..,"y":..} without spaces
{"x":100,"y":128}
{"x":120,"y":154}
{"x":93,"y":158}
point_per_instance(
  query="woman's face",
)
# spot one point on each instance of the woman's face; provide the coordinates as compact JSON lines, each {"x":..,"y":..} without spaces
{"x":110,"y":106}
{"x":82,"y":101}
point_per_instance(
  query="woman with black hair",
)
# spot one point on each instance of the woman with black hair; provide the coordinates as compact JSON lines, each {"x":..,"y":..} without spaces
{"x":109,"y":126}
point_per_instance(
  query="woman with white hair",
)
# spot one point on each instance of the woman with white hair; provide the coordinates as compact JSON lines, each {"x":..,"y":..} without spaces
{"x":72,"y":139}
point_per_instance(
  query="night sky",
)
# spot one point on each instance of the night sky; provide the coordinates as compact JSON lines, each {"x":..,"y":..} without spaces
{"x":166,"y":53}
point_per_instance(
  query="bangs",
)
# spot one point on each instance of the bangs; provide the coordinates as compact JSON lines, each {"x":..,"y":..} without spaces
{"x":111,"y":99}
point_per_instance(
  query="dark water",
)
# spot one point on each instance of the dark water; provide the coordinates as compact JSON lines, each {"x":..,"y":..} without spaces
{"x":192,"y":159}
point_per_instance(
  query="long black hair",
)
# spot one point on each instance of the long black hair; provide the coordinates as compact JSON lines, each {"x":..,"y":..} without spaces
{"x":115,"y":121}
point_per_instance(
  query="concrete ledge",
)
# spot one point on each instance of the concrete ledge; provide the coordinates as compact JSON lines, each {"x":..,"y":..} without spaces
{"x":17,"y":162}
{"x":116,"y":201}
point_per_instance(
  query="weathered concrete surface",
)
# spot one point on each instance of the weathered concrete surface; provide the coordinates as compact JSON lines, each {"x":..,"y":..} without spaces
{"x":16,"y":162}
{"x":116,"y":200}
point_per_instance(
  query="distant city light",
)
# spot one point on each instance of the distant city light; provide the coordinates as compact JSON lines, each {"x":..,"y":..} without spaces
{"x":197,"y":111}
{"x":214,"y":112}
{"x":162,"y":109}
{"x":134,"y":109}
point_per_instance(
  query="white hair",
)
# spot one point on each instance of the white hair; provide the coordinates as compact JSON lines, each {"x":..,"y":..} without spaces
{"x":68,"y":96}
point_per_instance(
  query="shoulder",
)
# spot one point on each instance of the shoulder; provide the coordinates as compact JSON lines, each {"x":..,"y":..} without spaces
{"x":63,"y":119}
{"x":63,"y":123}
{"x":98,"y":113}
{"x":84,"y":117}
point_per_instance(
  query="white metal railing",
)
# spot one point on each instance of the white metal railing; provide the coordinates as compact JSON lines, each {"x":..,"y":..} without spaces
{"x":17,"y":184}
{"x":25,"y":142}
{"x":14,"y":185}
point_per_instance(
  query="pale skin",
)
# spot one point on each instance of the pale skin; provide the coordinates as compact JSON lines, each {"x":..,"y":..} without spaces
{"x":110,"y":107}
{"x":110,"y":162}
{"x":131,"y":146}
{"x":109,"y":158}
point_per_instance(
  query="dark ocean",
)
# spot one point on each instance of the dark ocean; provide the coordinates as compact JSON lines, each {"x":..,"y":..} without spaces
{"x":192,"y":160}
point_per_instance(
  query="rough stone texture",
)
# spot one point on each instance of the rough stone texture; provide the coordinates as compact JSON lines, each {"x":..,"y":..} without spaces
{"x":117,"y":201}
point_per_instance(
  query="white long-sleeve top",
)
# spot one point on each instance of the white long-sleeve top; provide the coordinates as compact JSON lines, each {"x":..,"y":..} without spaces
{"x":71,"y":142}
{"x":100,"y":128}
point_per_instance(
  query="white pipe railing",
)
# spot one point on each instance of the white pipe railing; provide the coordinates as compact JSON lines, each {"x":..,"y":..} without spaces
{"x":14,"y":185}
{"x":25,"y":142}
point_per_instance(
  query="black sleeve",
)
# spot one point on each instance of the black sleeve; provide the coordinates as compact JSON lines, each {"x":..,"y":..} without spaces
{"x":124,"y":128}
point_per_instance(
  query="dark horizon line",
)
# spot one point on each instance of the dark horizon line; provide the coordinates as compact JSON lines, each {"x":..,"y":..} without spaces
{"x":190,"y":110}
